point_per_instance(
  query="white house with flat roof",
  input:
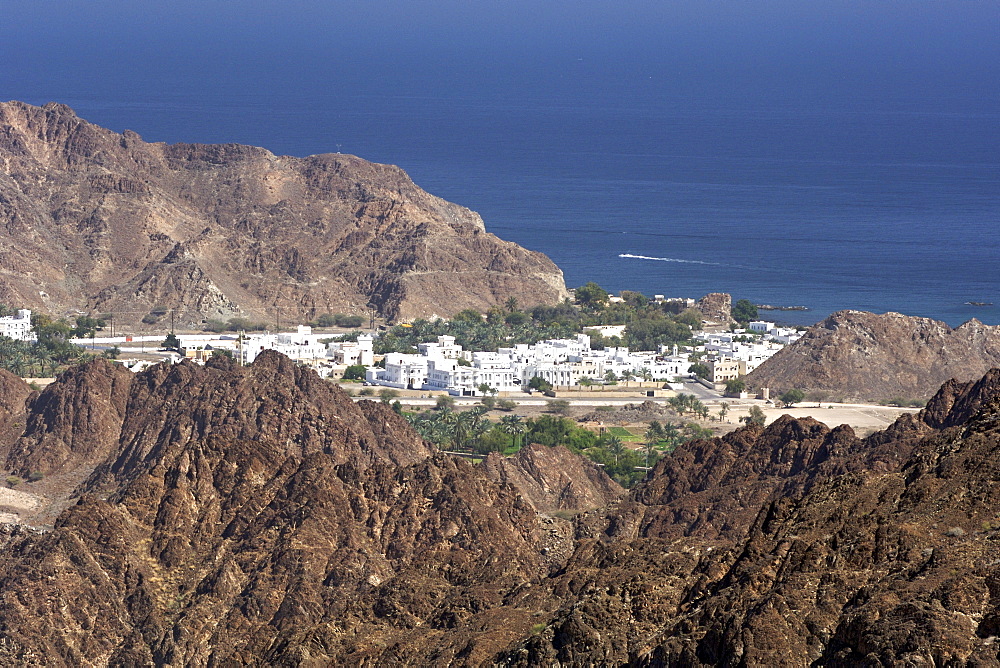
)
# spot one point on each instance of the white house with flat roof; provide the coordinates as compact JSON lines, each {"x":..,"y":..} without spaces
{"x":350,"y":353}
{"x":17,"y":326}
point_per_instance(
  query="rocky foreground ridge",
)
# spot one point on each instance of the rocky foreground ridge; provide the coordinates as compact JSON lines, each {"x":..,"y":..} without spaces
{"x":861,"y":356}
{"x":258,"y":516}
{"x":93,"y":220}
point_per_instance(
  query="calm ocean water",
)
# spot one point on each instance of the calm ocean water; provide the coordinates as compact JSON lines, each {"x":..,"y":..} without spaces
{"x":827,"y":197}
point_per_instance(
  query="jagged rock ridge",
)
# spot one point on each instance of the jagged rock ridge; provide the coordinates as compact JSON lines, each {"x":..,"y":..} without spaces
{"x":258,"y":516}
{"x":863,"y":356}
{"x":95,"y":220}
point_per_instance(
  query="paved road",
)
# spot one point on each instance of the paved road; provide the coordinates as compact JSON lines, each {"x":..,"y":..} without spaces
{"x":701,"y":392}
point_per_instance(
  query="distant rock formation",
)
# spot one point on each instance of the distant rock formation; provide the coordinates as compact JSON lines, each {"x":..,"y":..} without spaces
{"x":863,"y":356}
{"x":93,"y":220}
{"x":716,"y":307}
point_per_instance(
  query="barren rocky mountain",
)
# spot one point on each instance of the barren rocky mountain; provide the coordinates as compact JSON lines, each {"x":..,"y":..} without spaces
{"x":863,"y":356}
{"x":257,"y":515}
{"x":93,"y":220}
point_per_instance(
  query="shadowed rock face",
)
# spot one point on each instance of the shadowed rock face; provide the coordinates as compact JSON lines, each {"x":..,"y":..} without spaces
{"x":553,"y":479}
{"x":259,"y":516}
{"x":95,"y":220}
{"x":868,"y":357}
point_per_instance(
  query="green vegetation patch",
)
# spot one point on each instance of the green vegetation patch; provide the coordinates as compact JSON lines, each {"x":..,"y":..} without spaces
{"x":624,"y":434}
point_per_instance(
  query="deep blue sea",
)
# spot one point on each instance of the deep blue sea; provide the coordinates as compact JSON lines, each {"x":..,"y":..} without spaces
{"x":854,"y":191}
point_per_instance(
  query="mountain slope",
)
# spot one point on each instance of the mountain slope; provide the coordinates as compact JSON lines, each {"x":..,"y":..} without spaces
{"x":259,"y":516}
{"x":869,"y":357}
{"x":95,"y":220}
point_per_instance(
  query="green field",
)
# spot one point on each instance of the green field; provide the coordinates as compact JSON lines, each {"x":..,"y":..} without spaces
{"x":624,"y":434}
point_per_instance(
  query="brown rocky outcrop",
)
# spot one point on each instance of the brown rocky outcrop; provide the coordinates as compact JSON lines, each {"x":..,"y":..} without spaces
{"x":14,"y":394}
{"x":259,"y":516}
{"x":860,"y":567}
{"x":95,"y":220}
{"x":716,"y":307}
{"x":863,"y":356}
{"x":73,"y":422}
{"x":553,"y":478}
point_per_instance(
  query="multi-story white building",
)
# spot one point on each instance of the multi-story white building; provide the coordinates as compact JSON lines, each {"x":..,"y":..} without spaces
{"x":17,"y":326}
{"x":443,"y":348}
{"x":726,"y":368}
{"x":402,"y":370}
{"x":489,"y":369}
{"x":349,"y":353}
{"x":301,"y":345}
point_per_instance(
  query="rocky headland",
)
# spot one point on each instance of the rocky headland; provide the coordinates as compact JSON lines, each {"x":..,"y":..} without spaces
{"x":257,"y":515}
{"x":861,"y":356}
{"x":94,"y":220}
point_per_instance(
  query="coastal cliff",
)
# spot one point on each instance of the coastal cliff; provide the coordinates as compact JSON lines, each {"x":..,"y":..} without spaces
{"x":94,"y":220}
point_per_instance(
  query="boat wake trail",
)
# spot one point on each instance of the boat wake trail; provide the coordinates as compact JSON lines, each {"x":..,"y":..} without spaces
{"x":666,"y":259}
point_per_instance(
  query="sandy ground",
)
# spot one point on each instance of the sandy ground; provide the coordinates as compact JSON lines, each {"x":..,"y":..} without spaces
{"x":14,"y":504}
{"x":864,"y":419}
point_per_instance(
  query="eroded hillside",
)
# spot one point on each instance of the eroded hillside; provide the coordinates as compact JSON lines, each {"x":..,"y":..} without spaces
{"x":259,"y":516}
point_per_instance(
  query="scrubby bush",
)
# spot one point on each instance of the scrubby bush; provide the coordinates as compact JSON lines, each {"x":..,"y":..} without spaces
{"x":326,"y":320}
{"x":792,"y":396}
{"x":557,"y":406}
{"x":350,"y":321}
{"x":354,"y":372}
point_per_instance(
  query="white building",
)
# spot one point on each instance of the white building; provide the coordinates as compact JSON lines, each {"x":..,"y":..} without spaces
{"x":17,"y":326}
{"x":402,"y":370}
{"x":490,"y":369}
{"x":350,"y":353}
{"x":302,"y":345}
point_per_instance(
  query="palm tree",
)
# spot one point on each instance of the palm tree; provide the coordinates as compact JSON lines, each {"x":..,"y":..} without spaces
{"x":650,"y":450}
{"x":511,"y":304}
{"x":655,"y":432}
{"x":628,"y":375}
{"x":512,"y":426}
{"x":610,"y":378}
{"x":670,"y":434}
{"x":614,"y":446}
{"x":646,"y":374}
{"x":723,"y":409}
{"x":444,"y":422}
{"x":654,"y":435}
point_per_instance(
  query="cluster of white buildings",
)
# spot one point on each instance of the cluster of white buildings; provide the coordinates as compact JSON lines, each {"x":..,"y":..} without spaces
{"x":445,"y":366}
{"x":728,"y":358}
{"x":17,"y":326}
{"x":306,"y":347}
